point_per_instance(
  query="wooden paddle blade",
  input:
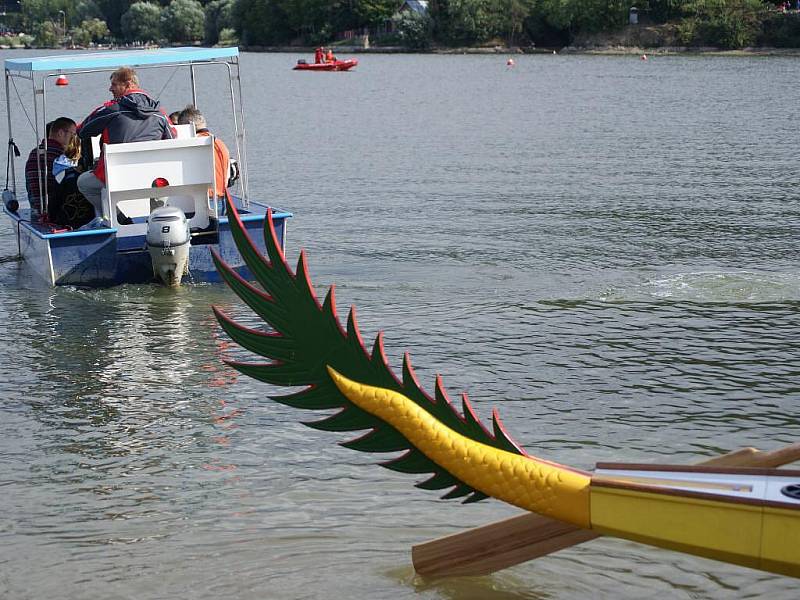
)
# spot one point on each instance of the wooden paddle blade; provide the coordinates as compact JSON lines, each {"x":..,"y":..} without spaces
{"x":489,"y":548}
{"x":496,"y":546}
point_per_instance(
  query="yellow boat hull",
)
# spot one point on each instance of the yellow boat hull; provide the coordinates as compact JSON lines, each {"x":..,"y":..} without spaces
{"x":737,"y":531}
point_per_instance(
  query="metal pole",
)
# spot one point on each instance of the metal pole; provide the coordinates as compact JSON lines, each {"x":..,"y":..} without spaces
{"x":10,"y":137}
{"x":46,"y":196}
{"x":38,"y":155}
{"x":241,"y":138}
{"x":194,"y":91}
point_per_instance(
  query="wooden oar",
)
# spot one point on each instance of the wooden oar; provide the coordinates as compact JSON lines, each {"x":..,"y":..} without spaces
{"x":489,"y":548}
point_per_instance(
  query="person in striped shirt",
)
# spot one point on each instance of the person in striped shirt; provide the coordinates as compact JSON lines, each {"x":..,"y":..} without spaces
{"x":39,"y":166}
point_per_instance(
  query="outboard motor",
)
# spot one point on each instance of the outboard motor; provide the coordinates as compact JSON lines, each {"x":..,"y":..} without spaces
{"x":168,"y":244}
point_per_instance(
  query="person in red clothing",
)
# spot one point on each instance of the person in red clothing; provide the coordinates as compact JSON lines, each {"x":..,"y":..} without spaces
{"x":318,"y":55}
{"x":222,"y":156}
{"x":39,"y":166}
{"x":330,"y":57}
{"x":131,"y":116}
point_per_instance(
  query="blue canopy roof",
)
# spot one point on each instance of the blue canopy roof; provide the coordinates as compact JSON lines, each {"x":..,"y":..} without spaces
{"x":117,"y":58}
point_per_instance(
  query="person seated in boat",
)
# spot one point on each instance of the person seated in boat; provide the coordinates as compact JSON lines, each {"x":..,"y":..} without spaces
{"x":222,"y":157}
{"x":329,"y":57}
{"x":132,"y":115}
{"x":173,"y":117}
{"x":69,"y":207}
{"x":58,"y":133}
{"x":318,"y":53}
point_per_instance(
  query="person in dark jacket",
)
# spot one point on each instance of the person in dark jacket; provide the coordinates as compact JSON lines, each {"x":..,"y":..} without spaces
{"x":132,"y":116}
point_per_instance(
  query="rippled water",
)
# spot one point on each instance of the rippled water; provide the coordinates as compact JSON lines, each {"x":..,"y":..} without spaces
{"x":604,"y":249}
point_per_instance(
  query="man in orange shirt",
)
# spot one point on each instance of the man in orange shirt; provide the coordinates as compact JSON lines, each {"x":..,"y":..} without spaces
{"x":221,"y":155}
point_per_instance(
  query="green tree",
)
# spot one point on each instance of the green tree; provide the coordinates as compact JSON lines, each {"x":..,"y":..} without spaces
{"x":83,"y":10}
{"x":36,"y":12}
{"x":260,"y":22}
{"x":781,"y":30}
{"x":142,"y":22}
{"x":511,"y":16}
{"x":664,"y":10}
{"x":593,"y":16}
{"x":374,"y":12}
{"x":414,"y":30}
{"x":465,"y":22}
{"x":97,"y":29}
{"x":47,"y":35}
{"x":726,"y":24}
{"x":90,"y":30}
{"x":560,"y":13}
{"x":112,"y":11}
{"x":310,"y":20}
{"x":219,"y":16}
{"x":184,"y":21}
{"x":228,"y":37}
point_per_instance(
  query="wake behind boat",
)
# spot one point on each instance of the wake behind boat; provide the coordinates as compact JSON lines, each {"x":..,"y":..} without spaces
{"x":165,"y":212}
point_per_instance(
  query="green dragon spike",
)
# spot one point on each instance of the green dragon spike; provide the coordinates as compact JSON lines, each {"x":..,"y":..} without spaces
{"x":306,"y":338}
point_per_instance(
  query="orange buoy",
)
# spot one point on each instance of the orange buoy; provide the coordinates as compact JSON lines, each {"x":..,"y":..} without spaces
{"x":62,"y":80}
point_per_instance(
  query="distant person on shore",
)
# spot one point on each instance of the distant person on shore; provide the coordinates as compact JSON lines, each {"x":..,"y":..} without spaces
{"x":131,"y":116}
{"x":329,"y":57}
{"x":318,"y":53}
{"x":222,"y":157}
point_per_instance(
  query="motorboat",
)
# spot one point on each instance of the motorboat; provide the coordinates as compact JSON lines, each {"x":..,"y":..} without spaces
{"x":337,"y":65}
{"x":162,"y":221}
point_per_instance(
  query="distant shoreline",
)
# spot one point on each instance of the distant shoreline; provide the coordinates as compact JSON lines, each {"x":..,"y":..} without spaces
{"x":591,"y":50}
{"x":608,"y":50}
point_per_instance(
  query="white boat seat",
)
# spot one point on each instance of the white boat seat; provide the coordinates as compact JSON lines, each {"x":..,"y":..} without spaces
{"x":184,"y":131}
{"x":187,"y":164}
{"x":181,"y":132}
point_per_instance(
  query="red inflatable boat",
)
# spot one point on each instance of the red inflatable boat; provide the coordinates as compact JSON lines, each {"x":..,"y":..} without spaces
{"x":338,"y":65}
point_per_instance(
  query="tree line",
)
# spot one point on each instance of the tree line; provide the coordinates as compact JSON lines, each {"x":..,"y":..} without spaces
{"x":446,"y":23}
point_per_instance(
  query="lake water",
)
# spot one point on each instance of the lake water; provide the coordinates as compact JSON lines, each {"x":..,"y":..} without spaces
{"x":604,"y":249}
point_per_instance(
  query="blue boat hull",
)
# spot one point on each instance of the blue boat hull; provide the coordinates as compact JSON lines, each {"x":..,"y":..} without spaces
{"x":104,"y":257}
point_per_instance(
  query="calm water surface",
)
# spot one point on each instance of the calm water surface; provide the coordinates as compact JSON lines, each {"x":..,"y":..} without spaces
{"x":602,"y":248}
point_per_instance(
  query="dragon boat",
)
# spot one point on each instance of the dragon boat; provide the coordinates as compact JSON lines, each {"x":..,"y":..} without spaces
{"x":163,"y":221}
{"x":746,"y":516}
{"x":337,"y":65}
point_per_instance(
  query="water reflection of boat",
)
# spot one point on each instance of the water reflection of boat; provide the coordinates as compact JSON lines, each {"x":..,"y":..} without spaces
{"x":337,"y":65}
{"x":144,"y":180}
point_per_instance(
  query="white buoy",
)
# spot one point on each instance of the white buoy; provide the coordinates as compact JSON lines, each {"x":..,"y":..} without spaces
{"x":510,"y":62}
{"x":644,"y":56}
